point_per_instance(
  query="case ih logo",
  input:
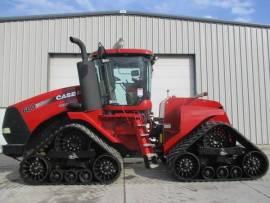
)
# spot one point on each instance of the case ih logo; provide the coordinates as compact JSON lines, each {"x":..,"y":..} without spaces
{"x":66,"y":95}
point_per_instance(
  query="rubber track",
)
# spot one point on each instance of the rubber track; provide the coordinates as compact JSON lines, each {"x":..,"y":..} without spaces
{"x":198,"y":133}
{"x":49,"y":139}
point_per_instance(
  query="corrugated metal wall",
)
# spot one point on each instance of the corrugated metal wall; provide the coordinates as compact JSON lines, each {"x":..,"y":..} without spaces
{"x":232,"y":61}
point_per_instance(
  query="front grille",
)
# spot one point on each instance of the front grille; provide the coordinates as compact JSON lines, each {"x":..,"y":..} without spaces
{"x":15,"y":131}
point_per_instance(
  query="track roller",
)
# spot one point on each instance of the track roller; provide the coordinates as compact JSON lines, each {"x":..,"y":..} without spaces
{"x":85,"y":176}
{"x":208,"y":172}
{"x":70,"y":176}
{"x":34,"y":170}
{"x":106,"y":168}
{"x":56,"y":176}
{"x":222,"y":172}
{"x":236,"y":172}
{"x":185,"y":166}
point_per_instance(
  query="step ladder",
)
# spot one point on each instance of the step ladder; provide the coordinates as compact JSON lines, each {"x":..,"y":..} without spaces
{"x":146,"y":147}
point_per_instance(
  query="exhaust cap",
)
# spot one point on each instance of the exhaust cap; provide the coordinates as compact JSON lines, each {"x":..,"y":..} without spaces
{"x":81,"y":46}
{"x":71,"y":39}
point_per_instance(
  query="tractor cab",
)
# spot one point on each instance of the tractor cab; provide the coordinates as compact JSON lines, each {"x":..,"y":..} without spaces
{"x":124,"y":77}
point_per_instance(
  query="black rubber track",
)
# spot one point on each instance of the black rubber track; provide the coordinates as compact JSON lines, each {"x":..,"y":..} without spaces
{"x":50,"y":133}
{"x":185,"y":146}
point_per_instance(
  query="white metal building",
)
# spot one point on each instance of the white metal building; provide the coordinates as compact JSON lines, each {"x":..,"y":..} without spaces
{"x":229,"y":60}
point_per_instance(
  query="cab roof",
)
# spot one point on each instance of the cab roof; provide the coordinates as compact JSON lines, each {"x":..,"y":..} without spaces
{"x":125,"y":51}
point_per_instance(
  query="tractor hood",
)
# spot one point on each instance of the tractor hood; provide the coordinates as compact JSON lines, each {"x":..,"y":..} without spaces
{"x":173,"y":103}
{"x":187,"y":113}
{"x":22,"y":118}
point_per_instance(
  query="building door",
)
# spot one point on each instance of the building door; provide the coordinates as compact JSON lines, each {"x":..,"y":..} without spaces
{"x":173,"y":76}
{"x":63,"y":71}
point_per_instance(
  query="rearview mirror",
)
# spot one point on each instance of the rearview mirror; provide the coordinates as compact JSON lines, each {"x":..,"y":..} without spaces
{"x":154,"y":59}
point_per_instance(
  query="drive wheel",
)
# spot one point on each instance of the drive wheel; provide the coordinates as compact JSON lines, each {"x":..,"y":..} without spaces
{"x":186,"y":166}
{"x":34,"y":170}
{"x":70,"y":176}
{"x":85,"y":176}
{"x":236,"y":172}
{"x":71,"y":140}
{"x":218,"y":137}
{"x":56,"y":176}
{"x":222,"y":172}
{"x":106,"y":168}
{"x":255,"y":164}
{"x":208,"y":172}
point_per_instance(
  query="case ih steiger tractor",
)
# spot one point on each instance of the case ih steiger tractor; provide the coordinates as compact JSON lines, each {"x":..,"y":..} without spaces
{"x":81,"y":133}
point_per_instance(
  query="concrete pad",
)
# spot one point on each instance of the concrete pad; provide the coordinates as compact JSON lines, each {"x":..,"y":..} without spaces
{"x":159,"y":187}
{"x":155,"y":185}
{"x":12,"y":189}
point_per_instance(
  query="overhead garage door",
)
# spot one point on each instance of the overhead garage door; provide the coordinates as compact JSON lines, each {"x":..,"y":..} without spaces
{"x":173,"y":73}
{"x":63,"y":71}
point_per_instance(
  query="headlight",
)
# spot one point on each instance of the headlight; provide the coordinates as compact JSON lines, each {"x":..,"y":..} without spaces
{"x":6,"y":131}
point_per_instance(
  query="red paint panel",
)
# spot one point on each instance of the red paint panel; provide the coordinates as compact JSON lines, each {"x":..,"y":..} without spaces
{"x":125,"y":51}
{"x":186,"y":114}
{"x":40,"y":108}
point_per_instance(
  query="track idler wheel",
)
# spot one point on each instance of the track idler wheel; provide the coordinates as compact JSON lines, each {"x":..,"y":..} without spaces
{"x":222,"y":172}
{"x":70,"y":176}
{"x":85,"y":176}
{"x":71,"y":140}
{"x":106,"y":168}
{"x":236,"y":172}
{"x":56,"y":176}
{"x":255,"y":164}
{"x":186,"y":166}
{"x":34,"y":169}
{"x":218,"y":137}
{"x":208,"y":172}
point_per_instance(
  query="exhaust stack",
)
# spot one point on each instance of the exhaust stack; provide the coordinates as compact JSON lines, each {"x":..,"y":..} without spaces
{"x":89,"y":86}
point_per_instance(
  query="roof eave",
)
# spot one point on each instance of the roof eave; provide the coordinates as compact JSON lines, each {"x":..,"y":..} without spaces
{"x":127,"y":12}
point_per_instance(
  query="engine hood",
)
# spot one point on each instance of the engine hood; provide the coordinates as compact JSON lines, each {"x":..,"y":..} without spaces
{"x":175,"y":102}
{"x":42,"y":107}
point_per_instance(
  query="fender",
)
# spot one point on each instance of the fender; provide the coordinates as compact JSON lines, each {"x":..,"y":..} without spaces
{"x":190,"y":118}
{"x":92,"y":118}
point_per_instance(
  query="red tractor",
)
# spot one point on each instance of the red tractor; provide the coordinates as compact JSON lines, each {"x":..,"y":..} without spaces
{"x":81,"y":133}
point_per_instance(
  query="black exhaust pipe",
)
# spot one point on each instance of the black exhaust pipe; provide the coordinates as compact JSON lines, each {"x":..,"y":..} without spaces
{"x":82,"y":47}
{"x":89,"y":85}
